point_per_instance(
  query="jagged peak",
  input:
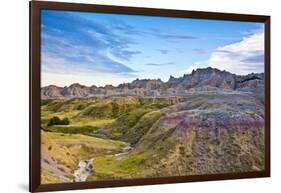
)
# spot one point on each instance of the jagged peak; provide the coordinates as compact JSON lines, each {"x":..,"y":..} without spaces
{"x":109,"y":86}
{"x":52,"y":86}
{"x":208,"y":69}
{"x":146,"y":80}
{"x":76,"y":85}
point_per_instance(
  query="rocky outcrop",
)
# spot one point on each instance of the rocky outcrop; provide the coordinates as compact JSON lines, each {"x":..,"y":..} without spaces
{"x":75,"y":90}
{"x":205,"y":79}
{"x":211,"y":77}
{"x":51,"y":92}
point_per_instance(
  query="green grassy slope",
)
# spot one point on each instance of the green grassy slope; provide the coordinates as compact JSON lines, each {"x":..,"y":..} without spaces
{"x":197,"y":134}
{"x":205,"y":134}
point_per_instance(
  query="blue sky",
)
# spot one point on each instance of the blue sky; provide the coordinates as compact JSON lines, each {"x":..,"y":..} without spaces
{"x":99,"y":49}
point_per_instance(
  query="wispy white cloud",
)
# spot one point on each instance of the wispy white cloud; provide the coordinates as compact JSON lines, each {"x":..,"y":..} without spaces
{"x":61,"y":72}
{"x":160,"y":64}
{"x":199,"y":51}
{"x":71,"y":44}
{"x":84,"y":79}
{"x":243,"y":57}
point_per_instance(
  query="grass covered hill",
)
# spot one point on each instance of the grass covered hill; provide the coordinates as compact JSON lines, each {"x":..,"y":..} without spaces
{"x":134,"y":137}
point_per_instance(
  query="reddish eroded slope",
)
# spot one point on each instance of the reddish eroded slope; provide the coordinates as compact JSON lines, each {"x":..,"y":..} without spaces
{"x":219,"y":133}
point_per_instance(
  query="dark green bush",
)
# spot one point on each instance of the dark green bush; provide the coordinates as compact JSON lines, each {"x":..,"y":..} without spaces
{"x":64,"y":121}
{"x":57,"y":121}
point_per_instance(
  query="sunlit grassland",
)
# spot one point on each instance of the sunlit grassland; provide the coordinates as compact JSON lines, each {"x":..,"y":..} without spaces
{"x":110,"y":167}
{"x":85,"y":147}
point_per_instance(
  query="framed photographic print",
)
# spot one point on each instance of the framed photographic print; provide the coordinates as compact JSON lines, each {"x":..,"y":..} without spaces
{"x":123,"y":96}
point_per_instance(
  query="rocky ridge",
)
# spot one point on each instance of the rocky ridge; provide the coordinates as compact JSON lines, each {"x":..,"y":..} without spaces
{"x":200,"y":80}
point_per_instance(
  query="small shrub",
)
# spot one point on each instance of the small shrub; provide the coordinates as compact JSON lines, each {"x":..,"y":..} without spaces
{"x":80,"y":107}
{"x":57,"y":121}
{"x":54,"y":121}
{"x":65,"y":121}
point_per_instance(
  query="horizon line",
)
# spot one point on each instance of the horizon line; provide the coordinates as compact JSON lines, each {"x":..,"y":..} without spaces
{"x":159,"y":79}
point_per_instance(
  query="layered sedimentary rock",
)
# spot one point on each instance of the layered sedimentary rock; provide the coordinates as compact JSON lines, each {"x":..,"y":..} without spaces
{"x":207,"y":79}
